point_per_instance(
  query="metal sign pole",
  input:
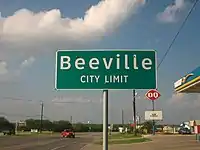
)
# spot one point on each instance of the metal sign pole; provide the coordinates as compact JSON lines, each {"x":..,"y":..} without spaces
{"x":105,"y":119}
{"x":134,"y":112}
{"x":153,"y":119}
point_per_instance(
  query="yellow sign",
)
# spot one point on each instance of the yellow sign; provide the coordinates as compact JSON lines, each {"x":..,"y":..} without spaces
{"x":186,"y":77}
{"x":182,"y":80}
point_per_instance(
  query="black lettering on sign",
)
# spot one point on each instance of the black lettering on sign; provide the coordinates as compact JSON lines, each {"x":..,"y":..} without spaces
{"x":154,"y":115}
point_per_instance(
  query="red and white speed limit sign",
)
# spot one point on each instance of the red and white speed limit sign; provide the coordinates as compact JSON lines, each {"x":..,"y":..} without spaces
{"x":152,"y":95}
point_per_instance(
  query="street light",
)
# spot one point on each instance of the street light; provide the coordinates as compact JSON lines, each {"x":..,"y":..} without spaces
{"x":134,"y":110}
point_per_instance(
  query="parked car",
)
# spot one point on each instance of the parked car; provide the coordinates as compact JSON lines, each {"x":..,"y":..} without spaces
{"x":68,"y":133}
{"x":184,"y":131}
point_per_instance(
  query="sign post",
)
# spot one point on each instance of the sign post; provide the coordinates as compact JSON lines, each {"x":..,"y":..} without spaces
{"x":153,"y":130}
{"x":105,"y":119}
{"x":153,"y":95}
{"x":104,"y":70}
{"x":134,"y":113}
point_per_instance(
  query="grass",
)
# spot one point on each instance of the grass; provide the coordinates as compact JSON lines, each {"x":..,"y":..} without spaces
{"x":125,"y":141}
{"x":34,"y":134}
{"x":123,"y":136}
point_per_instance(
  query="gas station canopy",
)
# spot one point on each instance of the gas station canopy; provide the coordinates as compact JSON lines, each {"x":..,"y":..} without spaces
{"x":190,"y":83}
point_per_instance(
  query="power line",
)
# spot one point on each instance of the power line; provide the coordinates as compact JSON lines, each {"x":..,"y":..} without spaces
{"x":17,"y":115}
{"x":122,"y":117}
{"x":17,"y":99}
{"x":53,"y":102}
{"x":3,"y":114}
{"x":175,"y":37}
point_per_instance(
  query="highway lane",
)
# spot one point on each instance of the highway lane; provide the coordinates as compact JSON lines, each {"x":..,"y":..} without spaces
{"x":13,"y":140}
{"x":63,"y":144}
{"x":54,"y":142}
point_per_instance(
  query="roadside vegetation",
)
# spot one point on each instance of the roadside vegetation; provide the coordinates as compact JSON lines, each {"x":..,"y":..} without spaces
{"x":55,"y":127}
{"x":124,"y":138}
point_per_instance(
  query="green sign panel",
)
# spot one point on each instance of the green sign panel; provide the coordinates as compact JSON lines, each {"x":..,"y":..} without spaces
{"x":105,"y":69}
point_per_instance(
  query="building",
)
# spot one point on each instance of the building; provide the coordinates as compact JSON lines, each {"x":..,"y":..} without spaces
{"x":193,"y":123}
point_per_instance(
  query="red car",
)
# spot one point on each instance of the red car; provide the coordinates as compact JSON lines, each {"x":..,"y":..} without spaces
{"x":68,"y":133}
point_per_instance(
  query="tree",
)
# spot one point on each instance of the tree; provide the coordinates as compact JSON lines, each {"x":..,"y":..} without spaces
{"x":5,"y":124}
{"x":80,"y":127}
{"x":61,"y":125}
{"x":96,"y":127}
{"x":33,"y":124}
{"x":148,"y":125}
{"x":48,"y":125}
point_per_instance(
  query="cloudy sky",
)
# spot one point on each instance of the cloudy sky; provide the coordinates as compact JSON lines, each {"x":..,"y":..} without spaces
{"x":31,"y":32}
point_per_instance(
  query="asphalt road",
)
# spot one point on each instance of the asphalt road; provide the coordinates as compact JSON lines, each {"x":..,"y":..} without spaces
{"x":159,"y":142}
{"x":179,"y":142}
{"x":47,"y":142}
{"x":169,"y":142}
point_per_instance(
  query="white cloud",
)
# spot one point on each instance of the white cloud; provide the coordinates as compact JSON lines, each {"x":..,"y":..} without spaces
{"x":28,"y":62}
{"x":70,"y":100}
{"x":171,"y":12}
{"x":3,"y":68}
{"x":98,"y":21}
{"x":177,"y":98}
{"x":75,"y":100}
{"x":197,"y":102}
{"x":25,"y":64}
{"x":26,"y":33}
{"x":183,"y":100}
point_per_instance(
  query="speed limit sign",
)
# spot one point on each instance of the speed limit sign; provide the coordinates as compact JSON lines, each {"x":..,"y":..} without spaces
{"x":152,"y":95}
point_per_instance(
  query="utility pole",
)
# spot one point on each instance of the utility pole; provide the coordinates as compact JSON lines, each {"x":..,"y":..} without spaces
{"x":41,"y":116}
{"x":139,"y":119}
{"x":71,"y":119}
{"x":122,"y":117}
{"x":16,"y":127}
{"x":134,"y":111}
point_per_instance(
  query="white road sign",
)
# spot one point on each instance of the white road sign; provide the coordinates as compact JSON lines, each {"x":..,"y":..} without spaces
{"x":153,"y":115}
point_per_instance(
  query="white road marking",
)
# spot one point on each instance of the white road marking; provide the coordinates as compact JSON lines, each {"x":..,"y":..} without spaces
{"x":82,"y":148}
{"x":59,"y":147}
